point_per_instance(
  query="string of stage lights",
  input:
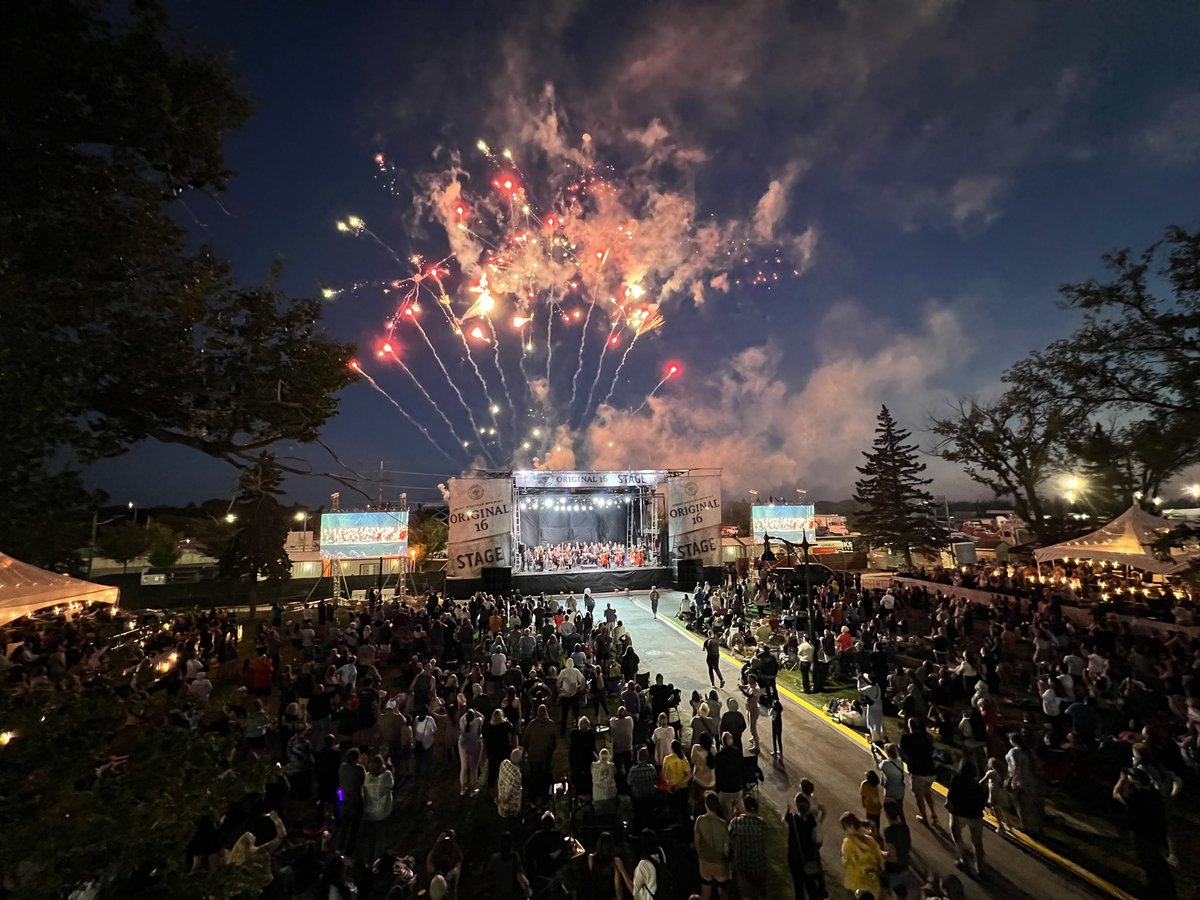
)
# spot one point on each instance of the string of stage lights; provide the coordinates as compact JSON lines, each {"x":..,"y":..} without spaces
{"x":521,"y":277}
{"x":574,"y":503}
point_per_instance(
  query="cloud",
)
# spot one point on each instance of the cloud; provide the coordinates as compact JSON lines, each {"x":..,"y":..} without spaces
{"x":1174,"y":138}
{"x":764,"y":432}
{"x":772,"y":206}
{"x":971,"y":203}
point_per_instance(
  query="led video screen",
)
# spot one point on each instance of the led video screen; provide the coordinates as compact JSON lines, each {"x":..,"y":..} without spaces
{"x":364,"y":535}
{"x":787,"y":522}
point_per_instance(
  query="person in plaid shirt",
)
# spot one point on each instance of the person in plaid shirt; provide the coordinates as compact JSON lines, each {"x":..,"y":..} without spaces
{"x":748,"y":851}
{"x":643,"y":787}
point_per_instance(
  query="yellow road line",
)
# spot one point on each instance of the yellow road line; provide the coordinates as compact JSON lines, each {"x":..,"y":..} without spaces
{"x":1020,"y":837}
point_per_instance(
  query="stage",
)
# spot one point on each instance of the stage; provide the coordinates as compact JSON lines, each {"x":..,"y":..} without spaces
{"x":599,"y":580}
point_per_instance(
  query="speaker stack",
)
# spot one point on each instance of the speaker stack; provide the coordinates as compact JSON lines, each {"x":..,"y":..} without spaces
{"x":497,"y":580}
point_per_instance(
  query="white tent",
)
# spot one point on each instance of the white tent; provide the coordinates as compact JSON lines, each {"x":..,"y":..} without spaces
{"x":25,"y":589}
{"x":1127,"y":540}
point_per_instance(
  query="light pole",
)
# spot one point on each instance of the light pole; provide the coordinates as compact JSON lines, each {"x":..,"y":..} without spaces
{"x":302,"y":516}
{"x":804,"y":545}
{"x":96,"y":523}
{"x":133,"y":511}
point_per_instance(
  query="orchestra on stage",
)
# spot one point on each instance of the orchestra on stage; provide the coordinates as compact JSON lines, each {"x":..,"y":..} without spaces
{"x":584,"y":555}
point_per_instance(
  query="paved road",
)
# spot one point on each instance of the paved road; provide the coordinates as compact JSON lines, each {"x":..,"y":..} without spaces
{"x":835,"y":762}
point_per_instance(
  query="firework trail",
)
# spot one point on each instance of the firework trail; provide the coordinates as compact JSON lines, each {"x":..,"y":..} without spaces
{"x":549,"y":343}
{"x":371,"y":381}
{"x":453,"y":385}
{"x":617,"y":374}
{"x":610,"y":340}
{"x":456,"y":326}
{"x":669,"y":375}
{"x":579,"y":361}
{"x":500,"y":368}
{"x":388,"y":348}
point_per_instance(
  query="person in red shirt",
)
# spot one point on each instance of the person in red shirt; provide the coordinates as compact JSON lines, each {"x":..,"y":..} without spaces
{"x":262,"y":670}
{"x":844,"y":640}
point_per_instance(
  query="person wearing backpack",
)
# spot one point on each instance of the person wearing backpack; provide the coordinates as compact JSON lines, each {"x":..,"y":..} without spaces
{"x":652,"y":878}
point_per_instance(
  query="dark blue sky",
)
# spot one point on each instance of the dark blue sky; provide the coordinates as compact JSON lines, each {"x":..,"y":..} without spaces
{"x":941,"y":167}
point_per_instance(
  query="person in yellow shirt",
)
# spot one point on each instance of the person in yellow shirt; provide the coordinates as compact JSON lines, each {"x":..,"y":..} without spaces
{"x":677,"y":776}
{"x":872,"y":798}
{"x":862,"y":857}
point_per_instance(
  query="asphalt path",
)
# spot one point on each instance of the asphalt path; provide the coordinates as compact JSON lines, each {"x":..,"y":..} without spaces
{"x":814,"y":748}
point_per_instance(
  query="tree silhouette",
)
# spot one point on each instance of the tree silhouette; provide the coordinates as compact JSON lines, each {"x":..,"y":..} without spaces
{"x":895,"y":509}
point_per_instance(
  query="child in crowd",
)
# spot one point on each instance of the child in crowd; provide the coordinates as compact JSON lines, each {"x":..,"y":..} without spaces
{"x":871,"y":791}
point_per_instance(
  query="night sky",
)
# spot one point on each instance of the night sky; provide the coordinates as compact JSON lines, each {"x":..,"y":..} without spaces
{"x":933,"y":170}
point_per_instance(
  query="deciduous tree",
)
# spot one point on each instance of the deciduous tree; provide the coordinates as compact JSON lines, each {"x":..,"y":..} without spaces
{"x":115,"y":329}
{"x":123,"y":542}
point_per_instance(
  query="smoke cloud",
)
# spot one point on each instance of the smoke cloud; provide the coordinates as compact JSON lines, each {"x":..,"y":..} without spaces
{"x":763,"y":434}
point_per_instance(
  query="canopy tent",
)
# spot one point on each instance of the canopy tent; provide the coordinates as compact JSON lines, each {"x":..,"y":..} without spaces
{"x":1127,"y":540}
{"x":25,"y":589}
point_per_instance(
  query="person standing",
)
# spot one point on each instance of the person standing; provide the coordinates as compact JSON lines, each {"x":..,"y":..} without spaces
{"x":497,"y":744}
{"x":654,"y":601}
{"x":1025,"y":781}
{"x":872,"y":698}
{"x":1148,"y":826}
{"x":540,"y":742}
{"x":806,"y":653}
{"x":570,"y":683}
{"x":351,"y":776}
{"x":604,"y":781}
{"x":777,"y":729}
{"x":704,"y":778}
{"x":823,"y":651}
{"x":663,"y":737}
{"x":748,"y":851}
{"x":897,"y":840}
{"x":804,"y":850}
{"x":891,"y":772}
{"x":916,"y":749}
{"x":643,"y":787}
{"x":753,"y":707}
{"x":729,"y":780}
{"x":377,"y":807}
{"x":734,"y":723}
{"x":862,"y":859}
{"x":620,"y":733}
{"x":510,"y":792}
{"x":711,"y":838}
{"x":712,"y":655}
{"x":470,"y":748}
{"x":965,"y":800}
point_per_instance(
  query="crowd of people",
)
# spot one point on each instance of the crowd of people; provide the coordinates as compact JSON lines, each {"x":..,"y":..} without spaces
{"x":584,"y":555}
{"x":609,"y":782}
{"x":1032,"y":703}
{"x":1099,"y":584}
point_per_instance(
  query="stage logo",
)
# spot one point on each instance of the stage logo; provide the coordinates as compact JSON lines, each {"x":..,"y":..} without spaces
{"x":694,"y":518}
{"x":480,"y":526}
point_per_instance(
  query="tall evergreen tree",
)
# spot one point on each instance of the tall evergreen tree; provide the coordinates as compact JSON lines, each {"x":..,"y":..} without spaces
{"x":895,"y":509}
{"x":260,"y":529}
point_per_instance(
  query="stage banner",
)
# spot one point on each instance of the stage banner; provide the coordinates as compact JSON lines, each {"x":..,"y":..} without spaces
{"x":542,"y":478}
{"x":789,"y":522}
{"x":694,"y":518}
{"x":480,"y":525}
